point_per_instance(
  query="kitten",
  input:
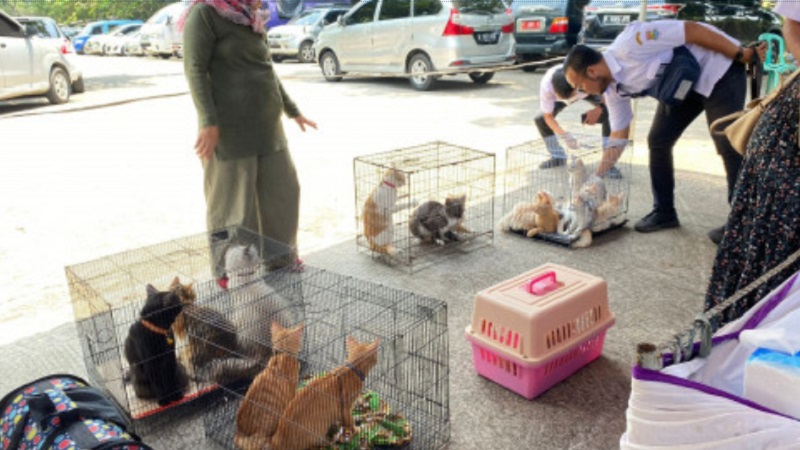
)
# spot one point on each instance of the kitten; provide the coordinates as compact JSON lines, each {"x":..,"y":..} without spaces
{"x":203,"y":335}
{"x":326,"y":401}
{"x":438,"y":223}
{"x":271,"y":391}
{"x":533,"y":217}
{"x":255,"y":303}
{"x":608,"y":211}
{"x":378,"y":211}
{"x":590,"y":187}
{"x":150,"y":349}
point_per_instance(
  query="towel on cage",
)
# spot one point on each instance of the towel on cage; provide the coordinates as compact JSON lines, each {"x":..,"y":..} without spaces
{"x":699,"y":404}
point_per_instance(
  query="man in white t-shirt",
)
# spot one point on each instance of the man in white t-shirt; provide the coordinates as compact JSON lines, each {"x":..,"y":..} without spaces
{"x":629,"y":67}
{"x":555,"y":94}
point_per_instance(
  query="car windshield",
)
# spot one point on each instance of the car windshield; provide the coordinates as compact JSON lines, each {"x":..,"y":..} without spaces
{"x":480,"y":6}
{"x":306,"y":18}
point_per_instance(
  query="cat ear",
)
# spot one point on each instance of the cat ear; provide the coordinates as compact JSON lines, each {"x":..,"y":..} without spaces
{"x":151,"y":290}
{"x":352,"y":345}
{"x":276,"y":328}
{"x":175,"y":283}
{"x":373,"y":346}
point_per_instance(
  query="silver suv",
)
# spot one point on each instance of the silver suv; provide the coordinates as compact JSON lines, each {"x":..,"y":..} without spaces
{"x":34,"y":65}
{"x":416,"y":37}
{"x":296,"y":38}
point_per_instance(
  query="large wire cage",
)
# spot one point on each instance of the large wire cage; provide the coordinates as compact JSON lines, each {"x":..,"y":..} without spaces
{"x":403,"y":401}
{"x":391,"y":186}
{"x":108,"y":297}
{"x":581,"y":200}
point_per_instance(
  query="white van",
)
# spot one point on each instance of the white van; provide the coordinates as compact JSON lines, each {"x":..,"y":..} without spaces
{"x":160,"y":36}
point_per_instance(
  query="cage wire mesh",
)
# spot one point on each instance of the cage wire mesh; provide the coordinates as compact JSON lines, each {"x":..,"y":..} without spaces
{"x":582,"y":200}
{"x":427,"y":172}
{"x":404,"y":399}
{"x":108,"y":295}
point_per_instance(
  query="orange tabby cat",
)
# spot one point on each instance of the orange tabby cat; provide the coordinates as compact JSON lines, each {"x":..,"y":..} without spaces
{"x":326,"y":401}
{"x":271,"y":391}
{"x":378,"y":211}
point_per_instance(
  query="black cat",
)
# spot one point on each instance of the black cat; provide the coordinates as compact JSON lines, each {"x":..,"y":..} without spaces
{"x":150,"y":349}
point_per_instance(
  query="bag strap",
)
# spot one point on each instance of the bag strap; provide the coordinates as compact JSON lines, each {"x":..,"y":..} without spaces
{"x":757,"y":103}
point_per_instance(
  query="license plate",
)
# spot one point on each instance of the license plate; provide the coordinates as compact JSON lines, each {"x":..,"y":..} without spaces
{"x":487,"y":37}
{"x":530,"y":25}
{"x":617,"y":19}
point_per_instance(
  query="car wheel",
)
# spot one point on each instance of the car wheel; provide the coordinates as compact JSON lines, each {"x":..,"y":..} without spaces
{"x":330,"y":66}
{"x":418,"y":68}
{"x":276,"y":58}
{"x":59,"y":86}
{"x":306,"y":53}
{"x":529,"y":69}
{"x":165,"y":55}
{"x":481,"y":77}
{"x":78,"y":87}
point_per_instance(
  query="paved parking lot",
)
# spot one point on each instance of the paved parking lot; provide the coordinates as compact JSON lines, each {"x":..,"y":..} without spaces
{"x":86,"y":180}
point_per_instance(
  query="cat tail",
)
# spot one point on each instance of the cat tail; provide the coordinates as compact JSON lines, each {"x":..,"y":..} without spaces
{"x":231,"y":370}
{"x":252,"y":442}
{"x":505,"y":222}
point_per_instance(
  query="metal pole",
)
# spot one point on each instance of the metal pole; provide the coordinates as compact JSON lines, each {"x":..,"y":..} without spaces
{"x":632,"y":134}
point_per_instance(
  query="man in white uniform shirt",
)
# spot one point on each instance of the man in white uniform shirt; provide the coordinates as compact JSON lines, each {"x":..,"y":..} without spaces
{"x":555,"y":94}
{"x":629,"y":66}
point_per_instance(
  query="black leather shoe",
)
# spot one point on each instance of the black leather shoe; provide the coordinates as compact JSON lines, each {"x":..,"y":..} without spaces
{"x":657,"y":220}
{"x":716,"y":234}
{"x":553,"y":162}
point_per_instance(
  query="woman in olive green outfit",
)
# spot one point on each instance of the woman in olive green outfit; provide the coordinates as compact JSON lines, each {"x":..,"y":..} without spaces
{"x":250,"y":179}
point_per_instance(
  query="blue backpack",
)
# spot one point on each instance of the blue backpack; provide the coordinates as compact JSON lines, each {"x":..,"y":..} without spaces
{"x":62,"y":412}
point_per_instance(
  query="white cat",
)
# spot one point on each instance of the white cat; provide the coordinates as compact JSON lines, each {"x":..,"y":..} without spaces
{"x":378,"y":210}
{"x":255,"y":303}
{"x":608,"y":213}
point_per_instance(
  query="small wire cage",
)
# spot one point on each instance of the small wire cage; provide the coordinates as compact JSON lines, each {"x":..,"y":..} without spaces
{"x":109,"y":294}
{"x":391,"y":186}
{"x":402,"y":401}
{"x":569,"y":190}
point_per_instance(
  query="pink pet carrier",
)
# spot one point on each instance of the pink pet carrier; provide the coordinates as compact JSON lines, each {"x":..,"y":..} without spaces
{"x":534,"y":330}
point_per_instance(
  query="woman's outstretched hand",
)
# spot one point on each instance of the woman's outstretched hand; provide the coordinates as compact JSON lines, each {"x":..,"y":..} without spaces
{"x":302,"y":122}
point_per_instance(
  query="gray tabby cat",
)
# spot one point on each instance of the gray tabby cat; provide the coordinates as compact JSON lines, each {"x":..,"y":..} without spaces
{"x":438,"y":223}
{"x":255,"y":303}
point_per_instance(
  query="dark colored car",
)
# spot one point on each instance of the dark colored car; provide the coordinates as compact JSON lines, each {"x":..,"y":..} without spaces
{"x":745,"y":23}
{"x":546,"y":28}
{"x":606,"y":19}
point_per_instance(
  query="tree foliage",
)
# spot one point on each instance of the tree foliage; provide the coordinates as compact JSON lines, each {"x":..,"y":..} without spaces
{"x":82,"y":11}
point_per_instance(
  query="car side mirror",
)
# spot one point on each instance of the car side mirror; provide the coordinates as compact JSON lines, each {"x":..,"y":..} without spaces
{"x":30,"y":30}
{"x":340,"y":21}
{"x":169,"y":20}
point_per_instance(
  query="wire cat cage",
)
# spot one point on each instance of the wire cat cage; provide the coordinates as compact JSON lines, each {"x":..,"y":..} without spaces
{"x":566,"y":203}
{"x":394,"y":187}
{"x":110,"y":296}
{"x":395,"y":341}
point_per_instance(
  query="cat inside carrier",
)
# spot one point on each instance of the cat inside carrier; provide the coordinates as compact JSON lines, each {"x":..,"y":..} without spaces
{"x":365,"y":367}
{"x":134,"y":311}
{"x":416,"y":204}
{"x":567,"y":203}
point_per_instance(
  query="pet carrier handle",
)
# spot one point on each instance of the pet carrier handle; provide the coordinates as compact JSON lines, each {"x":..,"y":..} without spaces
{"x":543,"y":283}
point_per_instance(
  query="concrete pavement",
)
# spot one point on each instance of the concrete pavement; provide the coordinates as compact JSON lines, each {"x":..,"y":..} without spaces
{"x":95,"y":182}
